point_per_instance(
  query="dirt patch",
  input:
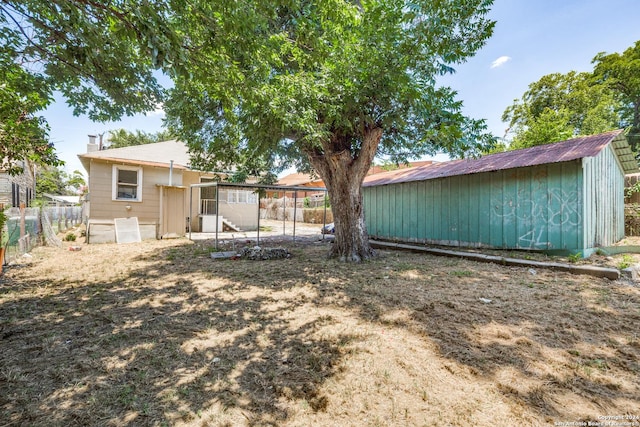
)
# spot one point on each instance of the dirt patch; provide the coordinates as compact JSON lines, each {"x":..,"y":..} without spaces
{"x":158,"y":333}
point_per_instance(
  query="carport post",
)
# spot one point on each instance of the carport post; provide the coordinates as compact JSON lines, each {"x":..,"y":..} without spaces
{"x":217,"y":213}
{"x":295,"y":207}
{"x":258,"y":238}
{"x":190,"y":209}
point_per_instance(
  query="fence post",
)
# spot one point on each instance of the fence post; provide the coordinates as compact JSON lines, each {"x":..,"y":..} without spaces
{"x":22,"y":221}
{"x":22,"y":228}
{"x":39,"y":227}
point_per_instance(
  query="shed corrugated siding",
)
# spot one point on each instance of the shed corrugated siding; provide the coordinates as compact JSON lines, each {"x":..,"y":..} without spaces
{"x":538,"y":207}
{"x":604,"y":200}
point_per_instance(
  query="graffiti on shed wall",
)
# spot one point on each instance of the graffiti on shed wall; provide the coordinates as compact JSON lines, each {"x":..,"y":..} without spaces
{"x":559,"y":208}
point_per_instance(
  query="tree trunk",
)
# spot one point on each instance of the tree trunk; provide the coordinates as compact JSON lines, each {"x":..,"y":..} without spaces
{"x":351,"y":238}
{"x":343,"y":174}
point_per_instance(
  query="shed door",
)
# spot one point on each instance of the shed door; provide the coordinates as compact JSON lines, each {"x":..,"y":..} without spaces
{"x":172,"y":207}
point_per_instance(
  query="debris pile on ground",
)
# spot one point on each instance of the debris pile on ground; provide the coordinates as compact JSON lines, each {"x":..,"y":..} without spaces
{"x":258,"y":253}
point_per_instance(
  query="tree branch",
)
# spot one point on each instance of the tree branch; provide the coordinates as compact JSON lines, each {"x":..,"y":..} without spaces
{"x":43,"y":50}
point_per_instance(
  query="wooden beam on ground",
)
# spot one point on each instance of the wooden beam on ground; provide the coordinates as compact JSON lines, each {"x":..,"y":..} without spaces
{"x":592,"y":270}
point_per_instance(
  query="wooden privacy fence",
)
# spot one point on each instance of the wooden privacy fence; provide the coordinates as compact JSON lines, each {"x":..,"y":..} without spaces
{"x":632,"y":219}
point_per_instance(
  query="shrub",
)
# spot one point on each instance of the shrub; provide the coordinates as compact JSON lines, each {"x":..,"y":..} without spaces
{"x":573,"y":258}
{"x":626,"y":262}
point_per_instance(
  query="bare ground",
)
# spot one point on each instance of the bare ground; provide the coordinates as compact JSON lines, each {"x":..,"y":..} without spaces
{"x":157,"y":333}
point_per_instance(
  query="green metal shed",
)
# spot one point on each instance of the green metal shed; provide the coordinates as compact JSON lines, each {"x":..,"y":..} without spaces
{"x":566,"y":197}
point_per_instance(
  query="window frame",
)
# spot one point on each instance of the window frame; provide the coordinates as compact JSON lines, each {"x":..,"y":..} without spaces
{"x":241,"y":197}
{"x":114,"y":183}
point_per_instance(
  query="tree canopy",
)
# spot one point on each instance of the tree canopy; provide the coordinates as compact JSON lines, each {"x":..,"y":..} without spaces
{"x":621,"y":73}
{"x":123,"y":138}
{"x":330,"y":84}
{"x":23,"y":135}
{"x":561,"y":106}
{"x":56,"y":181}
{"x":283,"y":78}
{"x":99,"y":55}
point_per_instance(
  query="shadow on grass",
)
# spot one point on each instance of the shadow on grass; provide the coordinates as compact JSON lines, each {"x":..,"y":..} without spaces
{"x":184,"y":337}
{"x":156,"y":347}
{"x":561,"y":334}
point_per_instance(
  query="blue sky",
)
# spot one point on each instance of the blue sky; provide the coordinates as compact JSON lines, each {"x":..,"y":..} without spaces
{"x":531,"y":38}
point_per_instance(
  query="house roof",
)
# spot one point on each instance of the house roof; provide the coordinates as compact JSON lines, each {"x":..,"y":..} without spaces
{"x":69,"y":200}
{"x":156,"y":154}
{"x":564,"y":151}
{"x":298,"y":178}
{"x":376,"y":169}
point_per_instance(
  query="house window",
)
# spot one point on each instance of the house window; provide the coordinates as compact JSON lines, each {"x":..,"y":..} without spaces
{"x":241,"y":196}
{"x":127,"y":183}
{"x":232,"y":196}
{"x":252,"y":197}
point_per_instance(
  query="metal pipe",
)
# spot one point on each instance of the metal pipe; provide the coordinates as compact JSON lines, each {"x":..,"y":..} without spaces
{"x":159,"y":233}
{"x":190,"y":209}
{"x":295,"y":207}
{"x":217,"y":217}
{"x":170,"y":173}
{"x":258,"y":235}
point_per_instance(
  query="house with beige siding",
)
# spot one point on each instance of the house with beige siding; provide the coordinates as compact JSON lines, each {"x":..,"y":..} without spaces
{"x":151,"y":183}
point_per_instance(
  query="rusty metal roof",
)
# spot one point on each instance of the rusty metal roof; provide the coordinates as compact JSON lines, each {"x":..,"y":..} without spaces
{"x":564,"y":151}
{"x":625,"y":155}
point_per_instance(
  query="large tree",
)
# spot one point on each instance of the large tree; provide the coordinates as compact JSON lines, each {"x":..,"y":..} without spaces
{"x":560,"y":106}
{"x":621,"y":72}
{"x":329,"y":83}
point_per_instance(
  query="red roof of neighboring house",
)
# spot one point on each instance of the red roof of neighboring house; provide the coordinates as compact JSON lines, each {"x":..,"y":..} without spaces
{"x":298,"y":178}
{"x":564,"y":151}
{"x":376,"y":169}
{"x":303,"y":178}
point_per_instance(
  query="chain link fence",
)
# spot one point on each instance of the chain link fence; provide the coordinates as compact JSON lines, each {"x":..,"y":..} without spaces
{"x":27,"y":228}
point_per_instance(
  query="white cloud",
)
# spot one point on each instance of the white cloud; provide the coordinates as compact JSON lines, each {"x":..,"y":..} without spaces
{"x":500,"y":61}
{"x":159,"y":110}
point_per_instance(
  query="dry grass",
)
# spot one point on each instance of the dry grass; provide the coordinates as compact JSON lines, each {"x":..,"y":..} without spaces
{"x":159,"y":334}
